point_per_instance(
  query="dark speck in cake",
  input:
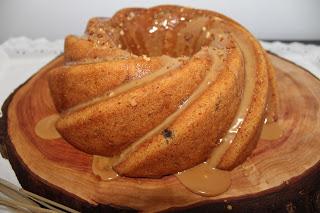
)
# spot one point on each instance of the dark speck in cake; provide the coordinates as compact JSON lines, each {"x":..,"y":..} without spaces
{"x":167,"y":134}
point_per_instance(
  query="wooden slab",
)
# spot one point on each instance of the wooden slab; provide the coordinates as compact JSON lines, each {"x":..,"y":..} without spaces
{"x":280,"y":175}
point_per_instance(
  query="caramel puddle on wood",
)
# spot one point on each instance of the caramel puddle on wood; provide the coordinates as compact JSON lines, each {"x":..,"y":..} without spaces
{"x":102,"y":167}
{"x":271,"y":131}
{"x":205,"y":180}
{"x":46,"y":128}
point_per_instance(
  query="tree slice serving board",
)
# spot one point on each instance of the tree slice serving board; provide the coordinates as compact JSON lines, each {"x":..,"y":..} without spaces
{"x":280,"y":175}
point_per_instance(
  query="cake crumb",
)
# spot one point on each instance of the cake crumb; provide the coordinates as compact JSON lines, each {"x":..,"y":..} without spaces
{"x":208,"y":34}
{"x":111,"y":94}
{"x":217,"y":18}
{"x":188,"y":37}
{"x":229,"y":207}
{"x":121,"y":32}
{"x":146,"y":58}
{"x":131,"y":16}
{"x":133,"y":102}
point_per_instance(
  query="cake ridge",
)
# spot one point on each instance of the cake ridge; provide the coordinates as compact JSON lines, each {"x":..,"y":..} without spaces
{"x":208,"y":80}
{"x":132,"y":84}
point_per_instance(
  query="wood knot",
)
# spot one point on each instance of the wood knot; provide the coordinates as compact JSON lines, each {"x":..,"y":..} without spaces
{"x":290,"y":208}
{"x":316,"y":201}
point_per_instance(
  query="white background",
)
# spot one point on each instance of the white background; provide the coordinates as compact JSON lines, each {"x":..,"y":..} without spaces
{"x":267,"y":19}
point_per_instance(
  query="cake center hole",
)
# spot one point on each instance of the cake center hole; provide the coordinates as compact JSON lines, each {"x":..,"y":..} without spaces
{"x":171,"y":33}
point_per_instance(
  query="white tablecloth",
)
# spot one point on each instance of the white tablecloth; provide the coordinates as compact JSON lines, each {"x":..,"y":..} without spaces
{"x":21,"y":57}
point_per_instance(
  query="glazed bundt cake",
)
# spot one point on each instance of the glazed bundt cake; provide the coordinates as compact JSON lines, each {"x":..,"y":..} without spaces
{"x":164,"y":89}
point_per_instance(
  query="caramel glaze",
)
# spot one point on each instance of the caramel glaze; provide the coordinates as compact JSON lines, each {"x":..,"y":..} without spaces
{"x":102,"y":167}
{"x":271,"y":131}
{"x":203,"y":179}
{"x":46,"y":129}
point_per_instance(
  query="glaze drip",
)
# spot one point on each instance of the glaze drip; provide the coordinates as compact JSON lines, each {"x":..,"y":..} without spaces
{"x":102,"y":167}
{"x":46,"y":129}
{"x":271,"y":131}
{"x":205,"y":180}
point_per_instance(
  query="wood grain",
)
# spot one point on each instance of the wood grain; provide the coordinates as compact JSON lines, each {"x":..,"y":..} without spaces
{"x":280,"y":175}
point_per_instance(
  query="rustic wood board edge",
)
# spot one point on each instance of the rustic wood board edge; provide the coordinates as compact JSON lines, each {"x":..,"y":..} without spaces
{"x":302,"y":194}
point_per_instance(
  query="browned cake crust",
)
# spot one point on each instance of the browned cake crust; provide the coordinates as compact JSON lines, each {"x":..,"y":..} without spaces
{"x":159,"y":87}
{"x":71,"y":85}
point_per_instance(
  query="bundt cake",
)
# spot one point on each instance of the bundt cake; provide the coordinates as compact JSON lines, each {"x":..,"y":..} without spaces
{"x":164,"y":89}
